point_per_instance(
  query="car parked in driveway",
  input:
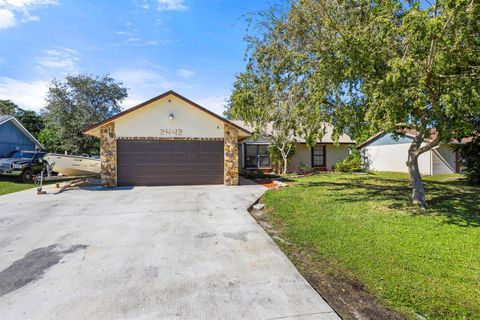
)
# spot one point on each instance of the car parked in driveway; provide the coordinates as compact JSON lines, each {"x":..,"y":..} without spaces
{"x":22,"y":164}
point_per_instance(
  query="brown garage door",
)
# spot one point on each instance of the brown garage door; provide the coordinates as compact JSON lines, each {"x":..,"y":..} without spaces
{"x":156,"y":163}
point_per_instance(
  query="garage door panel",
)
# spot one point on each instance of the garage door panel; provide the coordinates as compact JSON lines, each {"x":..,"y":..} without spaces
{"x":142,"y":162}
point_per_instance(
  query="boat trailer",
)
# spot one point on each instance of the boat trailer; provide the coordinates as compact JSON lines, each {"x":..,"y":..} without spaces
{"x":73,"y":181}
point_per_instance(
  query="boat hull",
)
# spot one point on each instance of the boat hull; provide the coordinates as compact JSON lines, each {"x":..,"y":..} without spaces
{"x":73,"y":165}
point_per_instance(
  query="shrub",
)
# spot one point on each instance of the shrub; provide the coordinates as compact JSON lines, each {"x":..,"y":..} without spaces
{"x":470,"y":153}
{"x":352,"y":163}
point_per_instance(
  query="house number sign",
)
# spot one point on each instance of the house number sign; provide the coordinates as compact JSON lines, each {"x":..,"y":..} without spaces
{"x":171,"y":132}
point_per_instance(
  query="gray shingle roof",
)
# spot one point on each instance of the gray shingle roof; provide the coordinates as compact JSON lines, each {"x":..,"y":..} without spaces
{"x":327,"y":138}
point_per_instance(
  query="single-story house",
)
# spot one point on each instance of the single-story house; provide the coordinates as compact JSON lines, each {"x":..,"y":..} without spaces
{"x":171,"y":140}
{"x":254,"y":152}
{"x":14,"y":136}
{"x":387,"y":152}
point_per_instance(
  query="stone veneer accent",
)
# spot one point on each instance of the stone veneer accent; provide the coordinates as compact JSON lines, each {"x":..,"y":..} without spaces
{"x":230,"y":166}
{"x":108,"y":155}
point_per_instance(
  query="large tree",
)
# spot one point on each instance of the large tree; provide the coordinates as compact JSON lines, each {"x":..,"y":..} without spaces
{"x":78,"y":102}
{"x":272,"y":94}
{"x":390,"y":65}
{"x":8,"y":107}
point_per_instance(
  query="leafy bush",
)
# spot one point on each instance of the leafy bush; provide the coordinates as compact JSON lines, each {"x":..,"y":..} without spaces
{"x":470,"y":153}
{"x":352,"y":163}
{"x":257,"y":174}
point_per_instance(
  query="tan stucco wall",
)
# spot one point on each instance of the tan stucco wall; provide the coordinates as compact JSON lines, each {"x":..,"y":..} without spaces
{"x":336,"y":153}
{"x":304,"y":155}
{"x":150,"y":120}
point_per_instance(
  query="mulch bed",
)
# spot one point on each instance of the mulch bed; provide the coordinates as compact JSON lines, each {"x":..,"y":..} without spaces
{"x":266,"y":183}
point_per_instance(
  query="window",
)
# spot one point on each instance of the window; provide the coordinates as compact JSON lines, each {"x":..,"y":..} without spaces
{"x":319,"y":156}
{"x":256,"y":156}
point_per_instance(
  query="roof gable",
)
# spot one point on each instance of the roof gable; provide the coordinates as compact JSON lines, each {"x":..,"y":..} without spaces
{"x":6,"y":118}
{"x":147,"y":103}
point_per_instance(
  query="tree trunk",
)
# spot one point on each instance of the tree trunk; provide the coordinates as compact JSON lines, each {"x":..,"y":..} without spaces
{"x":418,"y":190}
{"x":285,"y":162}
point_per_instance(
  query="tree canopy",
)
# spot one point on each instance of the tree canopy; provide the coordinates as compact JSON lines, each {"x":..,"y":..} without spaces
{"x":28,"y":118}
{"x":367,"y":66}
{"x":76,"y":103}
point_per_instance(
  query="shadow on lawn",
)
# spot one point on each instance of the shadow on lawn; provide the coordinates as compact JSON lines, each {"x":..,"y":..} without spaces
{"x":457,"y":202}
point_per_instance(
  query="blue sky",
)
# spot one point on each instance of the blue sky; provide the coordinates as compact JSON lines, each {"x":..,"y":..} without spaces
{"x":194,"y":47}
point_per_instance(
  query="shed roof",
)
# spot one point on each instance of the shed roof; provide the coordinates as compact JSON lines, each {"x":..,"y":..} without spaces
{"x":412,"y":133}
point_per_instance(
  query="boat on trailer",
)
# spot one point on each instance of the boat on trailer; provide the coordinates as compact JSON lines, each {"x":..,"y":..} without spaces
{"x":72,"y":165}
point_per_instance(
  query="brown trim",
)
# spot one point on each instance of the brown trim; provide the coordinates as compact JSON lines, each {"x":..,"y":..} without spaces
{"x":324,"y":156}
{"x":329,"y":143}
{"x":163,"y":95}
{"x":170,"y":139}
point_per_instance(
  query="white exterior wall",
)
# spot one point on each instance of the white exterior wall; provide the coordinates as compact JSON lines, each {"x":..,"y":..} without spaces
{"x":393,"y":157}
{"x":150,"y":120}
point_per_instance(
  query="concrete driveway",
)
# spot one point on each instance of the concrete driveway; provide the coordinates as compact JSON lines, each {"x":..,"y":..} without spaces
{"x":146,"y":253}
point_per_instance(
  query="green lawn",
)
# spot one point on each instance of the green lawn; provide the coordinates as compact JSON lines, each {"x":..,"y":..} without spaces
{"x":10,"y":185}
{"x":364,"y":227}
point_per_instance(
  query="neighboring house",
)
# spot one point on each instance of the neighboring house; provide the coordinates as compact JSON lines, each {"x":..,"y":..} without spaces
{"x":171,"y":140}
{"x":385,"y":152}
{"x":254,"y":152}
{"x":14,"y":136}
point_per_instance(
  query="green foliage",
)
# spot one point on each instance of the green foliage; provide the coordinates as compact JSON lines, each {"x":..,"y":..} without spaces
{"x":363,"y":228}
{"x":366,"y":66}
{"x":352,"y":163}
{"x":77,"y":103}
{"x":276,"y":157}
{"x":51,"y":139}
{"x":31,"y":120}
{"x":8,"y":107}
{"x":254,"y":174}
{"x":470,"y":154}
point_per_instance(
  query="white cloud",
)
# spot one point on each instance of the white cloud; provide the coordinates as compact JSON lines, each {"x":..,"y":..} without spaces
{"x":7,"y":19}
{"x":28,"y":95}
{"x":142,"y":78}
{"x":26,"y":4}
{"x":171,"y":5}
{"x":213,"y":103}
{"x":11,"y":9}
{"x":134,"y":40}
{"x":185,"y":73}
{"x":61,"y":58}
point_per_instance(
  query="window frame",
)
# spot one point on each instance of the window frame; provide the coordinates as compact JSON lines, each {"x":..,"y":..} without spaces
{"x":257,"y":155}
{"x":324,"y":156}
